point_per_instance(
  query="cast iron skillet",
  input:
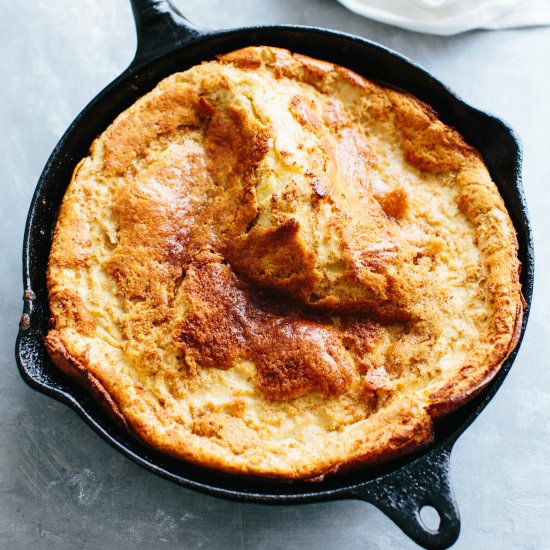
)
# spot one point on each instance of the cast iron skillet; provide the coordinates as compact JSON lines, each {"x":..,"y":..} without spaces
{"x":167,"y":43}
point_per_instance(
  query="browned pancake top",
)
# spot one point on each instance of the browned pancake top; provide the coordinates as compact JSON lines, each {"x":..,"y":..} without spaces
{"x":270,"y":265}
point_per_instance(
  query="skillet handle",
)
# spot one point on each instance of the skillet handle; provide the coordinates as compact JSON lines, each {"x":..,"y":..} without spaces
{"x":403,"y":493}
{"x":160,"y":28}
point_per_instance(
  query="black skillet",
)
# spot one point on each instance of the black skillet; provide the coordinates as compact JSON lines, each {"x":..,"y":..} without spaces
{"x":167,"y":43}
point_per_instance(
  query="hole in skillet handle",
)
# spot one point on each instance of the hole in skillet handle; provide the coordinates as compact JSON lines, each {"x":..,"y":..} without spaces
{"x":402,"y":494}
{"x":160,"y":27}
{"x":430,"y":517}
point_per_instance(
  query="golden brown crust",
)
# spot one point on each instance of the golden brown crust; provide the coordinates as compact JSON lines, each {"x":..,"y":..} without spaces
{"x":75,"y":369}
{"x":455,"y":394}
{"x":271,"y":266}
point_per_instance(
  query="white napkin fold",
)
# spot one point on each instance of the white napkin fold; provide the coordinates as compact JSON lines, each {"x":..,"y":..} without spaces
{"x":447,"y":17}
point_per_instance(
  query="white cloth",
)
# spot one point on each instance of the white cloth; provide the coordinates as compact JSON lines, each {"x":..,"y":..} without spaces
{"x":447,"y":17}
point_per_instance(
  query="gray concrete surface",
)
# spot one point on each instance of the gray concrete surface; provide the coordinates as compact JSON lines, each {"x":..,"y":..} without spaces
{"x":63,"y":487}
